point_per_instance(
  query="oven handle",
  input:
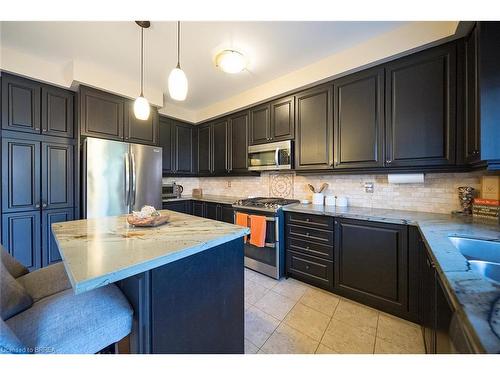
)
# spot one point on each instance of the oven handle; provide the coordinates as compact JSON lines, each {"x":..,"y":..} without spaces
{"x":276,"y":156}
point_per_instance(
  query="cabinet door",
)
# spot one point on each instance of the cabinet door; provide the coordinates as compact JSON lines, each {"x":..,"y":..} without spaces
{"x":141,"y":131}
{"x":428,"y":315}
{"x":21,"y":237}
{"x":358,"y":115}
{"x":371,"y":264}
{"x":20,"y":175}
{"x":226,"y":213}
{"x":102,"y":114}
{"x":220,"y":146}
{"x":204,"y":149}
{"x":444,"y":313}
{"x":239,"y":142}
{"x":180,"y":206}
{"x":314,"y":141}
{"x":57,"y":112}
{"x":472,"y":125}
{"x":283,"y":119}
{"x":20,"y":104}
{"x":211,"y":210}
{"x":420,"y":108}
{"x":183,"y":148}
{"x":198,"y":208}
{"x":165,"y":142}
{"x":260,"y":121}
{"x":50,"y":251}
{"x":57,"y":175}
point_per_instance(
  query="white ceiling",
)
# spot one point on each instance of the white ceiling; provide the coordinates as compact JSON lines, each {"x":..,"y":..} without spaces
{"x":273,"y":49}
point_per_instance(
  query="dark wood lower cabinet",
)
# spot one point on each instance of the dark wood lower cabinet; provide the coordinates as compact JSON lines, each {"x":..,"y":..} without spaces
{"x":21,"y":237}
{"x":50,"y":251}
{"x":310,"y":269}
{"x":211,"y":210}
{"x":371,"y":264}
{"x":226,"y":213}
{"x":198,"y":208}
{"x":178,"y":206}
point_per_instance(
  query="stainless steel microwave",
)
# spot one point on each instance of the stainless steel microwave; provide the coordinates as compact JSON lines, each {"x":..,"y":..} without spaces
{"x":270,"y":156}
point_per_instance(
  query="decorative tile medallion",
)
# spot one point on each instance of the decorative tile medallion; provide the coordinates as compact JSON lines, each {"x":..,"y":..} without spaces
{"x":281,"y":185}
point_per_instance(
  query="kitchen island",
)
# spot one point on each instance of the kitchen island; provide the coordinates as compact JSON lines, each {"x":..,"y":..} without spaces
{"x":184,"y":279}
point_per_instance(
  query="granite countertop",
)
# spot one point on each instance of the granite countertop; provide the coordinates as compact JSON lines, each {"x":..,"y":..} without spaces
{"x":100,"y":251}
{"x":206,"y":198}
{"x":476,"y":299}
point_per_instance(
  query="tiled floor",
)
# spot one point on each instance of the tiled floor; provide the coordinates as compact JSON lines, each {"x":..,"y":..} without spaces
{"x":288,"y":317}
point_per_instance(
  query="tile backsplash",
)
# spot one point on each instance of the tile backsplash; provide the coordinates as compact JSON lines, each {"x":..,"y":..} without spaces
{"x":437,"y":194}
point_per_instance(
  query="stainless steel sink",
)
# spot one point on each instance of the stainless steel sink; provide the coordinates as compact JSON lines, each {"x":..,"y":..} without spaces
{"x":483,"y":255}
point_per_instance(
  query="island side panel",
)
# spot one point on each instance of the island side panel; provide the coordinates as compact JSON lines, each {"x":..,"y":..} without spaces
{"x":195,"y":304}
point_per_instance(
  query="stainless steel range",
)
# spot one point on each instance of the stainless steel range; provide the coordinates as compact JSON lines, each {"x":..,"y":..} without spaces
{"x":270,"y":259}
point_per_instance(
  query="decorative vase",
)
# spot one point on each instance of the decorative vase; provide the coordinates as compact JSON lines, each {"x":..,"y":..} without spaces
{"x":466,"y":195}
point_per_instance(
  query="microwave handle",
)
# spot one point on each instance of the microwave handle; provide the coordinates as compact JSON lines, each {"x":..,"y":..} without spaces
{"x":276,"y":156}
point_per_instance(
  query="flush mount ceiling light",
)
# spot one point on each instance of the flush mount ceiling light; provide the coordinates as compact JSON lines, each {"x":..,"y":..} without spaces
{"x":177,"y":80}
{"x":141,"y":104}
{"x":230,"y":61}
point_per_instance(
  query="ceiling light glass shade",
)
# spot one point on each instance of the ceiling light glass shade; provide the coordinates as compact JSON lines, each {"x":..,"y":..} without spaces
{"x":230,"y":61}
{"x":141,"y":108}
{"x":177,"y":84}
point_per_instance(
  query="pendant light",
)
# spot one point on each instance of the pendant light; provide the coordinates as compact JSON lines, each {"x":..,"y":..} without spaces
{"x":141,"y":104}
{"x":177,"y":80}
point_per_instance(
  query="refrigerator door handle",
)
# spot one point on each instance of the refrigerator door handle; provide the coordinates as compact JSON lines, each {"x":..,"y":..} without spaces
{"x":127,"y":180}
{"x":134,"y":184}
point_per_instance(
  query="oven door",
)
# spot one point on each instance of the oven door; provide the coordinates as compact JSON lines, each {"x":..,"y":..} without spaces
{"x":265,"y":259}
{"x":270,"y":156}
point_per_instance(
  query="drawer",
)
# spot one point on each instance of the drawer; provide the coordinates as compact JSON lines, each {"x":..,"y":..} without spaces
{"x":311,"y":248}
{"x":310,"y":234}
{"x":312,"y":270}
{"x":316,"y":221}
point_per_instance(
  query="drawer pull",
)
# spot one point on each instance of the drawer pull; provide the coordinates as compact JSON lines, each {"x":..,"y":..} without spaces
{"x":307,"y":247}
{"x":307,"y":234}
{"x":308,"y":219}
{"x":308,"y":266}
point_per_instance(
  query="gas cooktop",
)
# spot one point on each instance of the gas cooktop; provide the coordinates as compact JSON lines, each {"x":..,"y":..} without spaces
{"x":271,"y":204}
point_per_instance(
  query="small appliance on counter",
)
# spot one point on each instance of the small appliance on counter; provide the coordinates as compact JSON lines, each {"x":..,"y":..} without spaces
{"x":171,"y":190}
{"x":269,"y":259}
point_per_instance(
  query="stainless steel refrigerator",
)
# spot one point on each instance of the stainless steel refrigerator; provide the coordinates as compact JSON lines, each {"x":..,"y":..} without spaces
{"x":119,"y":177}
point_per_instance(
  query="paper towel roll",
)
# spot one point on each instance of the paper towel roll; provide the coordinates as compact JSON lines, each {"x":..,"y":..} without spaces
{"x":408,"y":178}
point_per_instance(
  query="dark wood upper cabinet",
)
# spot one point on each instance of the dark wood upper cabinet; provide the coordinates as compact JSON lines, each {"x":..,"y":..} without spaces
{"x":57,"y":175}
{"x":101,"y":114}
{"x":238,"y":129}
{"x":57,"y":112}
{"x":472,"y":128}
{"x":21,"y":237}
{"x":371,"y":264}
{"x":282,"y":119}
{"x":314,"y":122}
{"x":20,"y":175}
{"x":50,"y":251}
{"x":165,"y":132}
{"x":420,"y":108}
{"x":220,"y":146}
{"x":205,"y":149}
{"x":359,"y":119}
{"x":141,"y":131}
{"x":183,"y":137}
{"x":260,"y":122}
{"x":20,"y":104}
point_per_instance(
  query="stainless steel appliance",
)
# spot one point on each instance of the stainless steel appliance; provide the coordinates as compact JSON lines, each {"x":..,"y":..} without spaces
{"x":269,"y":260}
{"x":119,"y":177}
{"x":270,"y":156}
{"x":171,"y":190}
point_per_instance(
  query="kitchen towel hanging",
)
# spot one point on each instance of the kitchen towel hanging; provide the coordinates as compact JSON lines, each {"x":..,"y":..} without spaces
{"x":242,"y":220}
{"x":258,"y":230}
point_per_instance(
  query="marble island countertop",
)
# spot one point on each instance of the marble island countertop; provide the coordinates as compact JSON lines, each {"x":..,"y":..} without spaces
{"x":475,"y":298}
{"x":100,"y":251}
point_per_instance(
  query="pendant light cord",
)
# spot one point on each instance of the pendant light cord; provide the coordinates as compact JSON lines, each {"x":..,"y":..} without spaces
{"x":179,"y":44}
{"x":142,"y":60}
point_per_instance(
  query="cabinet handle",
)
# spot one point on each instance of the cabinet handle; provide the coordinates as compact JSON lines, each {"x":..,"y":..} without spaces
{"x":37,"y":129}
{"x":308,"y":266}
{"x":307,"y":234}
{"x":308,"y":219}
{"x":307,"y":247}
{"x":37,"y":205}
{"x":388,"y":161}
{"x":44,"y":205}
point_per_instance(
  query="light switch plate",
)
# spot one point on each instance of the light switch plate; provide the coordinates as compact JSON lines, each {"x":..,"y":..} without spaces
{"x":368,"y":187}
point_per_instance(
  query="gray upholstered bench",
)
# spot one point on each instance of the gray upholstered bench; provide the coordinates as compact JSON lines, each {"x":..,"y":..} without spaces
{"x":41,"y":314}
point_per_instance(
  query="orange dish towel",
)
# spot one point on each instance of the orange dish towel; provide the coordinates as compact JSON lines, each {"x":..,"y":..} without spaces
{"x":258,"y":230}
{"x":242,"y":220}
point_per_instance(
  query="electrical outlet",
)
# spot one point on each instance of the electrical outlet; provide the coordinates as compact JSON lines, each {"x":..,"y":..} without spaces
{"x":368,"y":187}
{"x":228,"y":183}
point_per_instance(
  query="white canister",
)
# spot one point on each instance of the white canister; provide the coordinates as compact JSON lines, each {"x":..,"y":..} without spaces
{"x":318,"y":198}
{"x":342,"y":202}
{"x":330,"y":200}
